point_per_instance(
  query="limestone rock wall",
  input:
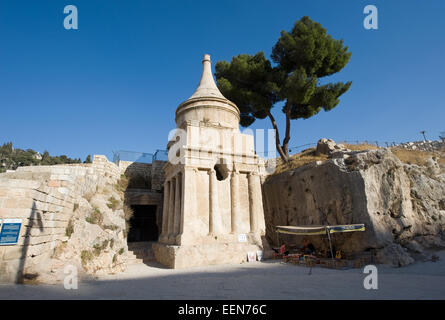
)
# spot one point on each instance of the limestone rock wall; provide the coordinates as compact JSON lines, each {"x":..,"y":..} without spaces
{"x":68,"y":217}
{"x":144,"y":175}
{"x":402,"y":206}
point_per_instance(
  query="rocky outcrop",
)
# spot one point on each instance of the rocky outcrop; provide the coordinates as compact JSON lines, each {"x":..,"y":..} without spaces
{"x":426,"y":145}
{"x":96,"y":236}
{"x":329,"y":147}
{"x":401,"y":205}
{"x":71,"y":214}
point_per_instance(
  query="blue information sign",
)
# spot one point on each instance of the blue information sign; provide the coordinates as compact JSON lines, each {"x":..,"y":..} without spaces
{"x":10,"y":231}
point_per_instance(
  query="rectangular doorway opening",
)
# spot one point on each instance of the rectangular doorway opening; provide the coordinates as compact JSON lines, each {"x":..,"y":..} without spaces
{"x":143,"y":225}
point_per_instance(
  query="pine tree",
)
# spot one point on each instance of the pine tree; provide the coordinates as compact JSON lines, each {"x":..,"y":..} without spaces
{"x":302,"y":58}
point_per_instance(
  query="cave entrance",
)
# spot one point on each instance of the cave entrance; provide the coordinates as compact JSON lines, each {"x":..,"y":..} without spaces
{"x":143,"y":225}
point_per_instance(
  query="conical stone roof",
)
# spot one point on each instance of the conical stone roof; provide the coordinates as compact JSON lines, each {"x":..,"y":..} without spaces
{"x":207,"y":103}
{"x":207,"y":86}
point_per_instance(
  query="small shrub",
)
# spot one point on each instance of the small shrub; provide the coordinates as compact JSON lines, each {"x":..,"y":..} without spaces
{"x":69,"y":228}
{"x":115,"y":258}
{"x":95,"y":217}
{"x":128,"y":214}
{"x":121,"y":184}
{"x":99,"y":247}
{"x":121,"y":251}
{"x":75,"y":207}
{"x":112,"y":227}
{"x":113,"y":203}
{"x":86,"y":256}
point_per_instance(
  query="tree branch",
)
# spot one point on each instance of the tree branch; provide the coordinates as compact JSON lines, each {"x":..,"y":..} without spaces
{"x":277,"y":137}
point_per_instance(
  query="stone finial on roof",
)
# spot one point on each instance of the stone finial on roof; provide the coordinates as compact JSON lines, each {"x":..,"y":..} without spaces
{"x":207,"y":86}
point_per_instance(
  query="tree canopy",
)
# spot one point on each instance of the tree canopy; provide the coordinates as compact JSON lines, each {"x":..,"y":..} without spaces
{"x":11,"y":159}
{"x":301,"y":58}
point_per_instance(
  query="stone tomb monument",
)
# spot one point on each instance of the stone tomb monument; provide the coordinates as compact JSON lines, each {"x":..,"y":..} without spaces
{"x":213,"y":209}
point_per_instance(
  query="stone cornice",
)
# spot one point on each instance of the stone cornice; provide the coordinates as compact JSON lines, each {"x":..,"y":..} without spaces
{"x":231,"y":107}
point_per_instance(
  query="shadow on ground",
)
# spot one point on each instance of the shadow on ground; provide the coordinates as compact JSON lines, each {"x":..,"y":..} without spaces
{"x":259,"y":280}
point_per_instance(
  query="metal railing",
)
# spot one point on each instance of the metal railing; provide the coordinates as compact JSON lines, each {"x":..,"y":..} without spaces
{"x":141,"y":157}
{"x":380,"y":144}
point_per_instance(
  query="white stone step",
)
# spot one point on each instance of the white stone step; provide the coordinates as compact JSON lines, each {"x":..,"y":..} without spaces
{"x":142,"y":250}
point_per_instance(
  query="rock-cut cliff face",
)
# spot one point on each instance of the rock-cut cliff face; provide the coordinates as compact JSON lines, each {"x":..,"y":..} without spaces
{"x":401,"y":205}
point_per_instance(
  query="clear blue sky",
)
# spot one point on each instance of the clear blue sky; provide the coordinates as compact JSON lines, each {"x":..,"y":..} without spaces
{"x":115,"y":82}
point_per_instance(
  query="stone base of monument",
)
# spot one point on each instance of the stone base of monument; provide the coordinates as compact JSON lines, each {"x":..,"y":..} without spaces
{"x":185,"y":256}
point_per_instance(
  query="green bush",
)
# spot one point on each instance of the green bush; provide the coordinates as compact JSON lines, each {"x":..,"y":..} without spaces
{"x":69,"y":229}
{"x":95,"y":217}
{"x":13,"y":158}
{"x":99,"y":247}
{"x":113,"y":203}
{"x":86,"y":256}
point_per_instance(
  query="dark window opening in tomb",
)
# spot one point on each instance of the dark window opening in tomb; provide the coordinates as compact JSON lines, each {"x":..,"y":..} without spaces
{"x":221,"y":172}
{"x":143,"y":225}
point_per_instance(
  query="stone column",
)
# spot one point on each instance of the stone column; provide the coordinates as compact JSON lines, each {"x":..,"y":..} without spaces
{"x":234,"y":196}
{"x":189,"y":207}
{"x":165,"y":207}
{"x":259,"y":187}
{"x":214,"y":218}
{"x":177,"y":220}
{"x":171,"y":208}
{"x":254,"y":199}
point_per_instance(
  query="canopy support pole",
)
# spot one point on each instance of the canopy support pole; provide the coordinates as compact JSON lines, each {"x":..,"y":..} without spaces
{"x":330,"y":243}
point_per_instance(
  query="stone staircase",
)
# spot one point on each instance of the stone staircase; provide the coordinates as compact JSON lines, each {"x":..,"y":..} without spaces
{"x":132,"y":258}
{"x":140,"y":252}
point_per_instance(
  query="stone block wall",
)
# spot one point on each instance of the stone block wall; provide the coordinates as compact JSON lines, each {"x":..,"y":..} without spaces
{"x":139,"y":174}
{"x":44,"y":197}
{"x":144,"y":175}
{"x":157,"y":175}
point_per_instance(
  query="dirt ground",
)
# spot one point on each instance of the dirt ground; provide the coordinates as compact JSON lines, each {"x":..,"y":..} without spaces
{"x":269,"y":279}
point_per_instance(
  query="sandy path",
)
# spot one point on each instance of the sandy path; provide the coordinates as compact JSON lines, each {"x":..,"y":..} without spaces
{"x":258,"y":280}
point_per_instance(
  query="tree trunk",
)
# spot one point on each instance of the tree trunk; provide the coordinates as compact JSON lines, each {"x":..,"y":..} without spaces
{"x":284,"y":155}
{"x":287,"y":134}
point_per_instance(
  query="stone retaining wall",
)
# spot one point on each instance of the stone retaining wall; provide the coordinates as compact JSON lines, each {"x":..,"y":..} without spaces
{"x":44,"y":197}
